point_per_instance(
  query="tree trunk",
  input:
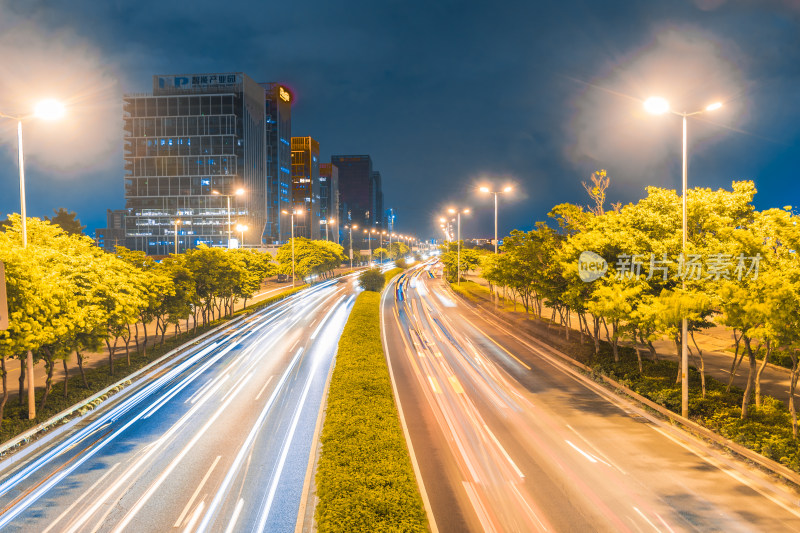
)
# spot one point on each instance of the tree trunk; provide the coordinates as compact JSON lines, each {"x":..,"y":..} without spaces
{"x":792,"y":386}
{"x":638,"y":355}
{"x":750,"y":377}
{"x":111,"y":350}
{"x":80,"y":367}
{"x":680,"y":358}
{"x":702,"y":365}
{"x":22,"y":381}
{"x":652,"y":349}
{"x":127,"y":340}
{"x":596,"y":336}
{"x":5,"y":387}
{"x":144,"y":351}
{"x":768,"y":348}
{"x":66,"y":376}
{"x":736,"y":362}
{"x":136,"y":335}
{"x":49,"y":365}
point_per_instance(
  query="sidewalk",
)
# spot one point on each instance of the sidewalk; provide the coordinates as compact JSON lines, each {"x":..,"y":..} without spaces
{"x":715,"y":343}
{"x":99,"y":359}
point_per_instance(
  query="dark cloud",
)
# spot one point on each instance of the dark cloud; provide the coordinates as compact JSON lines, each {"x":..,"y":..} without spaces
{"x":444,"y":95}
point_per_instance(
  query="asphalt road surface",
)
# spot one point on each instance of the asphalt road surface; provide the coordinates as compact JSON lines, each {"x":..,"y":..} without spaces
{"x":508,"y":438}
{"x":217,"y":439}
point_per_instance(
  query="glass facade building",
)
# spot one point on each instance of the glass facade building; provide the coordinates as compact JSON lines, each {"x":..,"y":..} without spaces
{"x":187,"y":148}
{"x":279,"y":162}
{"x":329,"y":198}
{"x":360,"y":189}
{"x":305,"y":187}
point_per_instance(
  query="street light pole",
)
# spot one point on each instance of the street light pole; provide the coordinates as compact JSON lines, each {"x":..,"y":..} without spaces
{"x":458,"y":238}
{"x":659,"y":106}
{"x":293,"y":248}
{"x":238,"y":192}
{"x":176,"y":235}
{"x":495,"y":193}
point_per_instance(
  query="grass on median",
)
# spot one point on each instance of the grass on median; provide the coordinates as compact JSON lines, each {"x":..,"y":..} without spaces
{"x":365,"y":481}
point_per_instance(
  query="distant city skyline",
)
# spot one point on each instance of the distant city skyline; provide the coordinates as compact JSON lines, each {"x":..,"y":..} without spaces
{"x":444,"y":98}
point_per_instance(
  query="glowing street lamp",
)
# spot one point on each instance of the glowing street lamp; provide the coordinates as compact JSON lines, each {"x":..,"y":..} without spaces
{"x":294,"y":212}
{"x":241,"y":228}
{"x":176,"y":234}
{"x":458,"y":256}
{"x":46,"y":110}
{"x":486,"y":190}
{"x":237,"y":192}
{"x":351,"y":227}
{"x":659,"y":106}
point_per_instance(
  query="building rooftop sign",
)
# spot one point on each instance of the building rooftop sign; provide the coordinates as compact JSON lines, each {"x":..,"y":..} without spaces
{"x":193,"y":82}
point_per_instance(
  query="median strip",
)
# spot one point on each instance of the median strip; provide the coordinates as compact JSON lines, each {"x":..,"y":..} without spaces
{"x":365,"y":481}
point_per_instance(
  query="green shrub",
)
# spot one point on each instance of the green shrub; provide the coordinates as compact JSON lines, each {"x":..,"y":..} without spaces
{"x":400,"y":262}
{"x":371,"y":280}
{"x":389,"y":274}
{"x":364,"y":478}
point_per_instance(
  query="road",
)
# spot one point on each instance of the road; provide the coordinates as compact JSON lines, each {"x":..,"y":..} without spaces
{"x":217,"y":439}
{"x":508,"y":438}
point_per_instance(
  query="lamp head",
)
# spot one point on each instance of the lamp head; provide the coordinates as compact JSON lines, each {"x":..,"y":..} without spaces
{"x":656,"y":105}
{"x":451,"y":210}
{"x":714,"y":106}
{"x":508,"y":189}
{"x":49,"y":110}
{"x":484,"y":189}
{"x":214,"y":192}
{"x":239,"y":192}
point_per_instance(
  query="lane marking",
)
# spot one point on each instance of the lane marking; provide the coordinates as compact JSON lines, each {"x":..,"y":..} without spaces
{"x":646,"y":519}
{"x":504,"y":452}
{"x":434,"y":386}
{"x":234,"y":468}
{"x":583,"y":453}
{"x":195,"y":516}
{"x":235,"y":516}
{"x":264,"y":387}
{"x":76,"y":502}
{"x":189,"y":504}
{"x":456,"y":384}
{"x":262,"y":523}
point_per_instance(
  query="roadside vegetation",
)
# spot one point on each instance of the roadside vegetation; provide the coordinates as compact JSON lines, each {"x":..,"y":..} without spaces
{"x":741,"y":272}
{"x":67,"y":298}
{"x":365,"y":481}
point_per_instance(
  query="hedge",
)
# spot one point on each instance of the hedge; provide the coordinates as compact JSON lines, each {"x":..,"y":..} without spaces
{"x":365,"y":481}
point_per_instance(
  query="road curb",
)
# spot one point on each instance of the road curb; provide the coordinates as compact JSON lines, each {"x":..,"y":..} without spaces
{"x":415,"y":465}
{"x":688,"y":425}
{"x":307,"y":495}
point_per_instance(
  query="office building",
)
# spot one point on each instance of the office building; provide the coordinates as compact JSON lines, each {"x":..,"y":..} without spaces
{"x":279,"y":162}
{"x":188,"y":148}
{"x":329,"y":199}
{"x":113,"y":234}
{"x":376,"y":198}
{"x":305,"y":187}
{"x":360,"y":188}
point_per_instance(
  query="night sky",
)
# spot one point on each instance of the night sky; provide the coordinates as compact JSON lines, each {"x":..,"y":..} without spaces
{"x":443,"y":95}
